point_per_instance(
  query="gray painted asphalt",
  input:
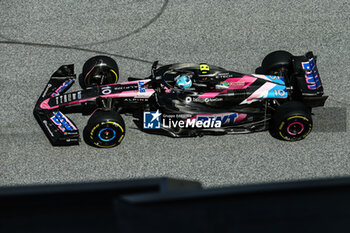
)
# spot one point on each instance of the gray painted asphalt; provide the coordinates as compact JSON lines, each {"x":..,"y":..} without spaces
{"x":37,"y":38}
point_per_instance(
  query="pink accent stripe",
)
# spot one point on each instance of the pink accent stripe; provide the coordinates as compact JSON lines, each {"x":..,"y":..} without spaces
{"x":248,"y":80}
{"x":241,"y":117}
{"x":213,"y":114}
{"x":133,"y":93}
{"x":112,"y":84}
{"x":209,"y":95}
{"x":262,"y":77}
{"x":121,"y":94}
{"x":263,"y":90}
{"x":45,"y":104}
{"x":125,"y":83}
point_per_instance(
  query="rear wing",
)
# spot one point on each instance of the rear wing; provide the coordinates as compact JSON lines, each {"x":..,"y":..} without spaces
{"x":306,"y":74}
{"x":307,"y":79}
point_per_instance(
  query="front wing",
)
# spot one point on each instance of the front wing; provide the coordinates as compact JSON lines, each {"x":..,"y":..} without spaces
{"x":59,"y":129}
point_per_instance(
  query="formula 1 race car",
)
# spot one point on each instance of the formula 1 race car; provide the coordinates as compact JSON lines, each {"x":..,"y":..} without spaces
{"x":210,"y":100}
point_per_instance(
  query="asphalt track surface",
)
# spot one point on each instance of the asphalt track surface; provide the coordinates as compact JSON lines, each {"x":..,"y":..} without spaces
{"x":36,"y":38}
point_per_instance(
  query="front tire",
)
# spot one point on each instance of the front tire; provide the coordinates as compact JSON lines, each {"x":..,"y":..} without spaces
{"x":291,"y":122}
{"x":99,"y":70}
{"x":105,"y":129}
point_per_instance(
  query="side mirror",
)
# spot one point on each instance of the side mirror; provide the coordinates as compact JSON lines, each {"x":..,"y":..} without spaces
{"x":154,"y":67}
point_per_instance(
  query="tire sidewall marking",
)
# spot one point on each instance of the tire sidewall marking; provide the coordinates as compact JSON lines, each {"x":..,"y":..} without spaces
{"x":306,"y":124}
{"x":289,"y":118}
{"x":116,"y":75}
{"x":92,"y":131}
{"x":115,"y":124}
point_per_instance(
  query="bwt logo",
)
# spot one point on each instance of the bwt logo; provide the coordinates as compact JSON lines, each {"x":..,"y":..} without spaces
{"x":62,"y":122}
{"x":223,"y":118}
{"x":62,"y":87}
{"x":141,"y":86}
{"x":311,"y":74}
{"x":151,"y":120}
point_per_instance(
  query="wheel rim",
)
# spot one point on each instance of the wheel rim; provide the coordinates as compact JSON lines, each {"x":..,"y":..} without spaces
{"x":295,"y":128}
{"x":107,"y":134}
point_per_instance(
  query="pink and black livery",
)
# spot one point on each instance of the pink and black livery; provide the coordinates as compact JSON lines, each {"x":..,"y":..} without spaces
{"x":279,"y":97}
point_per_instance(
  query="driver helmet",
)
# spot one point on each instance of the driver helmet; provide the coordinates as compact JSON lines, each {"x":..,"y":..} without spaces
{"x":183,"y":82}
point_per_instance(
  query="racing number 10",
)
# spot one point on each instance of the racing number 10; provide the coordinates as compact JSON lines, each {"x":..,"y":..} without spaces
{"x":106,"y":90}
{"x":279,"y":92}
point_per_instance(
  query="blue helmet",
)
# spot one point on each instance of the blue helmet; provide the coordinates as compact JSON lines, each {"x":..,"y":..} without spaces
{"x":183,"y":81}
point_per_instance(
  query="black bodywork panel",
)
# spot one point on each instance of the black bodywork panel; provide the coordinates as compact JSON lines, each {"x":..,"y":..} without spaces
{"x":244,"y":103}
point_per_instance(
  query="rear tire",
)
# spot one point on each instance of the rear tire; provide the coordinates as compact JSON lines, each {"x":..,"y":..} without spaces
{"x":275,"y":61}
{"x":104,"y":129}
{"x":99,"y":70}
{"x":291,"y":122}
